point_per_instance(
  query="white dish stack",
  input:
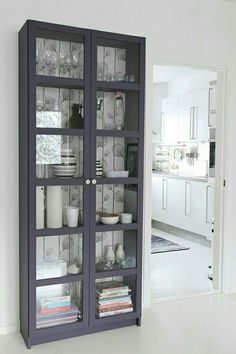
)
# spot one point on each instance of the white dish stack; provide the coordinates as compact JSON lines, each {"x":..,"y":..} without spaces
{"x":67,"y":168}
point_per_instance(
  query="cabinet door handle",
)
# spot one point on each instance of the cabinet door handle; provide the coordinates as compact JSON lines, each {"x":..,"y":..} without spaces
{"x":94,"y":181}
{"x":162,"y":126}
{"x":194,"y":123}
{"x":191,"y":123}
{"x":87,"y":181}
{"x":209,"y":106}
{"x":207,"y":201}
{"x":187,"y":210}
{"x":164,"y":194}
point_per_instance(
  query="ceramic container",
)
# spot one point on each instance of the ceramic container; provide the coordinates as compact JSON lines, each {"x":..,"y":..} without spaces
{"x":99,"y":169}
{"x":110,"y":255}
{"x":126,"y":218}
{"x":54,"y":207}
{"x":120,"y":254}
{"x":72,"y":216}
{"x":39,"y":208}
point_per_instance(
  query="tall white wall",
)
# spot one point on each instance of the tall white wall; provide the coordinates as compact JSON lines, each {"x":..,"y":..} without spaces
{"x":185,"y":28}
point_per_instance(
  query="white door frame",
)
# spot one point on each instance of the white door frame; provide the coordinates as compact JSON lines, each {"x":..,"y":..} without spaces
{"x":154,"y":58}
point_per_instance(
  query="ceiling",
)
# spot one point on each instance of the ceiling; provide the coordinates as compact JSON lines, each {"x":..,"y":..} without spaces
{"x":168,"y":73}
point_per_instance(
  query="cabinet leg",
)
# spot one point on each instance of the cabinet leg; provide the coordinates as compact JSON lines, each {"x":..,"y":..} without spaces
{"x":138,"y":322}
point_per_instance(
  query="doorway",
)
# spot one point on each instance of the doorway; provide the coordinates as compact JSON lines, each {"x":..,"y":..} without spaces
{"x":184,"y":243}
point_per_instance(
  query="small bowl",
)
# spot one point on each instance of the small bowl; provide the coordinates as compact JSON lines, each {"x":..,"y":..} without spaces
{"x":109,"y":219}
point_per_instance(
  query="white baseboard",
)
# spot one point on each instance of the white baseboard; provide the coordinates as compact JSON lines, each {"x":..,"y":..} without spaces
{"x":9,"y":329}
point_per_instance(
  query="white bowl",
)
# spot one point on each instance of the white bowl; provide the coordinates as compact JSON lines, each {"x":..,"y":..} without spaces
{"x":114,"y":174}
{"x":109,"y":219}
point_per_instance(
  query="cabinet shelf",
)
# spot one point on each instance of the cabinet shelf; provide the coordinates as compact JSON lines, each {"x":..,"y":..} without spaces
{"x":116,"y":227}
{"x":59,"y":280}
{"x":120,"y":317}
{"x":118,"y":133}
{"x":116,"y":273}
{"x":113,"y":86}
{"x":117,"y":180}
{"x":59,"y":181}
{"x":58,"y":82}
{"x":59,"y":131}
{"x":61,"y":231}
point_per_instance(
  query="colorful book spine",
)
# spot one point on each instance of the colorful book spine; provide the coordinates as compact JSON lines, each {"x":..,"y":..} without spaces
{"x":55,"y":310}
{"x":115,"y":312}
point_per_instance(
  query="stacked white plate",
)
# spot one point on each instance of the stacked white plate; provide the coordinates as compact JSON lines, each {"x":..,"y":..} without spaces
{"x":67,"y":168}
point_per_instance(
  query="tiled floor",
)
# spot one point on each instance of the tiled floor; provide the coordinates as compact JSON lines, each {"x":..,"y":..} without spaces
{"x":182,"y":272}
{"x":204,"y":325}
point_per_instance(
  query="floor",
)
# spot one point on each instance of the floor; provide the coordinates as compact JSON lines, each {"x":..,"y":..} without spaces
{"x":181,"y":272}
{"x":204,"y":325}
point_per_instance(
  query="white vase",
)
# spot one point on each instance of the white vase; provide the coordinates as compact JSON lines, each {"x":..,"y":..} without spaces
{"x":39,"y":208}
{"x":72,"y":216}
{"x":120,"y":254}
{"x":54,"y":207}
{"x":110,"y":255}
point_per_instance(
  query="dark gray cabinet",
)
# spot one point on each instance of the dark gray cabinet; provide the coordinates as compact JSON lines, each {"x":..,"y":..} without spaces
{"x":81,"y":127}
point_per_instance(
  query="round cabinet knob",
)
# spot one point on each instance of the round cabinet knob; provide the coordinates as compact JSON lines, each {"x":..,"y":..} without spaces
{"x":94,"y":181}
{"x":87,"y":181}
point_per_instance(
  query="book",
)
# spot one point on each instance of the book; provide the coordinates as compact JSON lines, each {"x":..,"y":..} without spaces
{"x":104,"y":301}
{"x":109,"y":286}
{"x":115,"y":312}
{"x":112,"y":294}
{"x":113,"y":308}
{"x":55,"y":310}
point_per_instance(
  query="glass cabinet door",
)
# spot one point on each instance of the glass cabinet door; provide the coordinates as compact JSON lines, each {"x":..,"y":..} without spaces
{"x":61,"y":198}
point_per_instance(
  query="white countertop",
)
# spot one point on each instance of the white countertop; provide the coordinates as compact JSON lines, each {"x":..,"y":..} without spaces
{"x":182,"y":176}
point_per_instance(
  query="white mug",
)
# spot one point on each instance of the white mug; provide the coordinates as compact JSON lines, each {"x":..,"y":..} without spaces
{"x":72,"y":216}
{"x":126,"y":218}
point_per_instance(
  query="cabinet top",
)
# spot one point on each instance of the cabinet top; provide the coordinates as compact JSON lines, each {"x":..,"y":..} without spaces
{"x":182,"y":177}
{"x":34,"y":24}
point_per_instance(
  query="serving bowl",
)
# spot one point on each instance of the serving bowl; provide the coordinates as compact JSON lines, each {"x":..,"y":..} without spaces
{"x":109,"y":219}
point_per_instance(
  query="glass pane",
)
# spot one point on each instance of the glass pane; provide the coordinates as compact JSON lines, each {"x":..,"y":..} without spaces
{"x":117,"y":157}
{"x":117,"y":61}
{"x":116,"y":203}
{"x":58,"y":256}
{"x":59,"y":156}
{"x":59,"y":58}
{"x":59,"y":108}
{"x":117,"y":110}
{"x":58,"y":206}
{"x":115,"y":296}
{"x":58,"y":304}
{"x":115,"y":250}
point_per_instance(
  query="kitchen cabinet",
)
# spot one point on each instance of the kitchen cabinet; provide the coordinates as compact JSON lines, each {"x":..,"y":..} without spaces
{"x":184,"y":118}
{"x":188,"y":204}
{"x":159,"y":199}
{"x":212,"y":103}
{"x":81,"y":118}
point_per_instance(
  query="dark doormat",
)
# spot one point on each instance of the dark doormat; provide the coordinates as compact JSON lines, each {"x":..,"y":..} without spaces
{"x":160,"y":245}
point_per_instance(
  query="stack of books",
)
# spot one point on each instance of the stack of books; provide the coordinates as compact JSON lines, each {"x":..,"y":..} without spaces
{"x":113,"y":298}
{"x":58,"y":310}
